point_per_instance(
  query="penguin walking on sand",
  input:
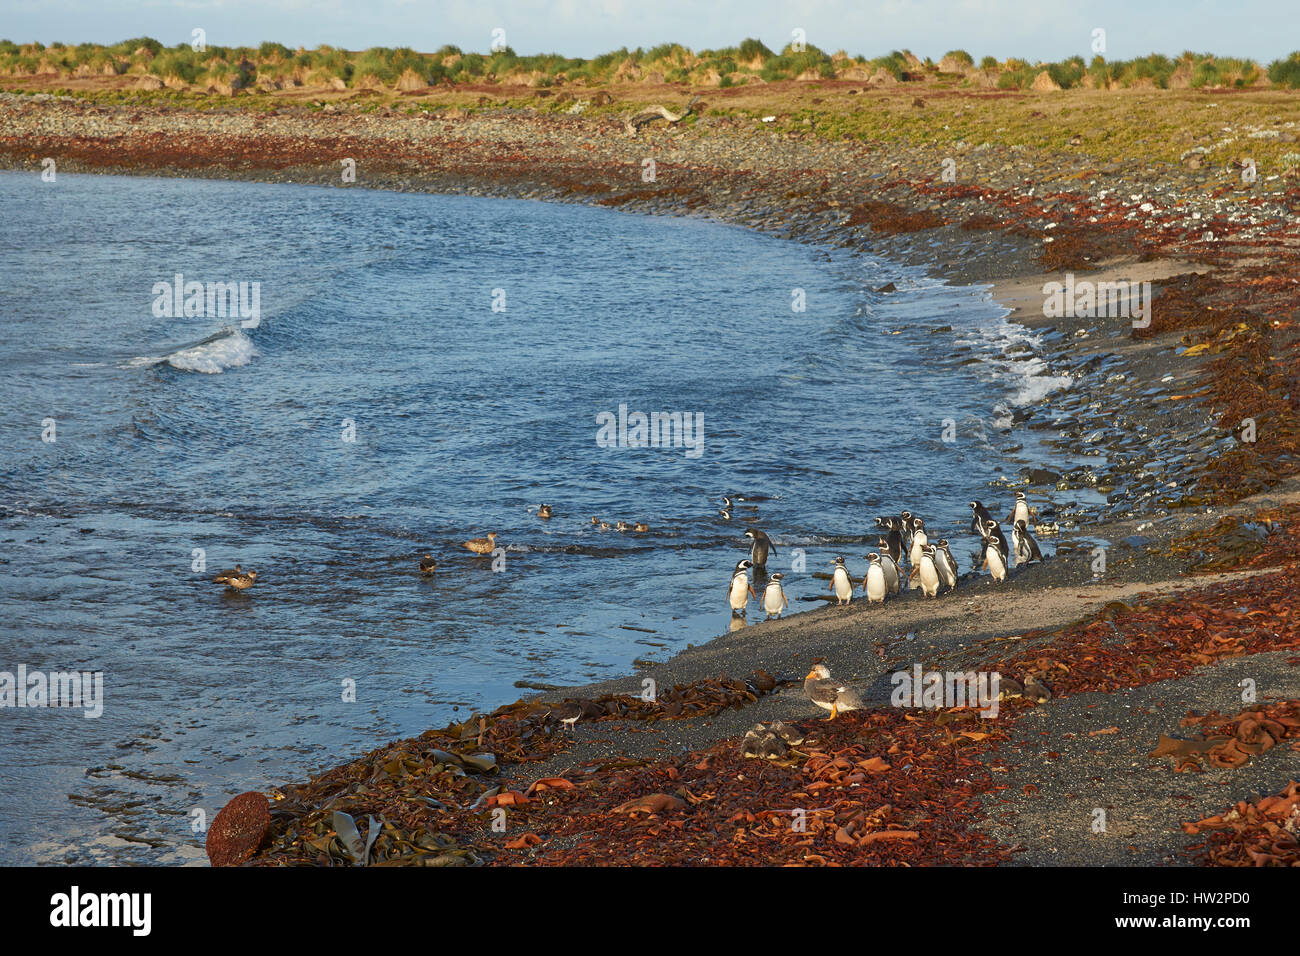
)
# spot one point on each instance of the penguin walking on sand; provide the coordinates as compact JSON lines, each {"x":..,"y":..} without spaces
{"x":774,"y":601}
{"x":894,"y":582}
{"x":1026,"y":547}
{"x":892,"y":541}
{"x":874,"y":584}
{"x":994,"y":530}
{"x":1019,"y":510}
{"x":740,"y":590}
{"x":995,"y":559}
{"x":841,"y":583}
{"x":946,"y":565}
{"x":979,"y":518}
{"x":761,"y":547}
{"x":928,"y":572}
{"x":920,"y":540}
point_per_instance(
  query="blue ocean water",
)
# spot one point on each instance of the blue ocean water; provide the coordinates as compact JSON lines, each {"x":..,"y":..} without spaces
{"x":423,"y":369}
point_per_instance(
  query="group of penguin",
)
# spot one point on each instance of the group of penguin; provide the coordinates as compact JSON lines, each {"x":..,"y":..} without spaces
{"x":932,"y":564}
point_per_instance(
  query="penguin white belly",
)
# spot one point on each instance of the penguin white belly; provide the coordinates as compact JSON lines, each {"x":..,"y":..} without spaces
{"x":919,"y":541}
{"x":843,"y":586}
{"x":929,"y":576}
{"x":892,"y":582}
{"x":997,"y":567}
{"x":774,"y":600}
{"x":947,"y":577}
{"x":739,"y":592}
{"x":1021,"y":513}
{"x":876,"y":585}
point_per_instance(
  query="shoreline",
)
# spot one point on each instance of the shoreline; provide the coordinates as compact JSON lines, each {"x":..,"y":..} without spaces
{"x":803,"y":203}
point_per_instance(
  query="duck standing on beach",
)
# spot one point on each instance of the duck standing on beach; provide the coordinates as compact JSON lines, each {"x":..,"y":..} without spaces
{"x":841,"y":583}
{"x":740,"y":590}
{"x":482,"y":546}
{"x":874,"y":583}
{"x":428,"y":565}
{"x":774,"y":601}
{"x":1026,"y":547}
{"x":236,"y":579}
{"x":761,"y":547}
{"x":830,"y":694}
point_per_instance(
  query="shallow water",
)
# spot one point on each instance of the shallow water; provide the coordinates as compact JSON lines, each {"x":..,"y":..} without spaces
{"x":176,"y":434}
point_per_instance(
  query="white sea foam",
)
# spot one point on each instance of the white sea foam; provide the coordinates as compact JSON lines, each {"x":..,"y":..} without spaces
{"x":229,"y":348}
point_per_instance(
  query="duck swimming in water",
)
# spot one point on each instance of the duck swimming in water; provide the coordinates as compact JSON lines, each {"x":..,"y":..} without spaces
{"x":544,"y":511}
{"x":428,"y":565}
{"x":641,"y":526}
{"x":482,"y":546}
{"x":237,"y":579}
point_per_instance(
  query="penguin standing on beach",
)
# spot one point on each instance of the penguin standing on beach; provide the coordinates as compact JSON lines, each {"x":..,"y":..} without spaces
{"x":874,"y":584}
{"x":740,"y":591}
{"x":979,"y":518}
{"x":920,"y":540}
{"x":761,"y":547}
{"x":995,"y":559}
{"x":927,"y":571}
{"x":841,"y":583}
{"x":907,"y":524}
{"x":774,"y":601}
{"x":1026,"y":547}
{"x":994,"y":530}
{"x":894,"y":582}
{"x":1019,"y":510}
{"x":946,"y":565}
{"x":892,"y":541}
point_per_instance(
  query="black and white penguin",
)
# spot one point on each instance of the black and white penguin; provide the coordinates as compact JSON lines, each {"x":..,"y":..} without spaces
{"x":841,"y":583}
{"x":1026,"y":547}
{"x":979,"y":518}
{"x":995,"y":559}
{"x":994,"y":530}
{"x":928,"y":572}
{"x":761,"y":547}
{"x":1019,"y":510}
{"x":894,"y":582}
{"x":874,"y":584}
{"x":946,"y":564}
{"x":906,"y":524}
{"x":920,"y":540}
{"x":774,"y":601}
{"x":740,"y":591}
{"x":892,"y":541}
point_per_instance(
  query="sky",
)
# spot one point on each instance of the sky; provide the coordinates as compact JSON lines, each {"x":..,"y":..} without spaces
{"x":1032,"y":29}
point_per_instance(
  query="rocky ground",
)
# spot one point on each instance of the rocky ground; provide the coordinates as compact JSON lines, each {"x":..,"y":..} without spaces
{"x":1159,"y":414}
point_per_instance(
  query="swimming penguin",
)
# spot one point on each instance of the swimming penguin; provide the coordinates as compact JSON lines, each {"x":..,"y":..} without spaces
{"x":893,"y":538}
{"x":919,"y":541}
{"x":774,"y":601}
{"x":740,"y":591}
{"x":428,"y":565}
{"x":841,"y":583}
{"x":994,"y":558}
{"x":481,"y":546}
{"x":1019,"y":510}
{"x":758,"y":551}
{"x":1026,"y":547}
{"x":946,"y":565}
{"x":979,"y":518}
{"x":236,"y":580}
{"x":828,"y":693}
{"x":994,"y":530}
{"x":544,"y":511}
{"x":874,"y":584}
{"x":894,"y":582}
{"x":928,"y":572}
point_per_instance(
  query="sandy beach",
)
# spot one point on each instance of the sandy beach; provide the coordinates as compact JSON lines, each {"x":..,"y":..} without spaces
{"x":1200,"y":560}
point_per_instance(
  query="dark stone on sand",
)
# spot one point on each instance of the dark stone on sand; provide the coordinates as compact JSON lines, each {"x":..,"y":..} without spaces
{"x":238,"y":830}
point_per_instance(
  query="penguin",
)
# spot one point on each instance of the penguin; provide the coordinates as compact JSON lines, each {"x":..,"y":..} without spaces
{"x":1026,"y":547}
{"x":774,"y":601}
{"x":1019,"y":510}
{"x":762,"y":545}
{"x":544,"y":511}
{"x":905,"y":525}
{"x":979,"y":518}
{"x":928,"y":572}
{"x":994,"y":558}
{"x":841,"y":583}
{"x":874,"y":584}
{"x":894,"y":582}
{"x":946,"y":565}
{"x":740,"y":591}
{"x":893,"y":539}
{"x":994,"y":530}
{"x":919,"y":542}
{"x":428,"y":565}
